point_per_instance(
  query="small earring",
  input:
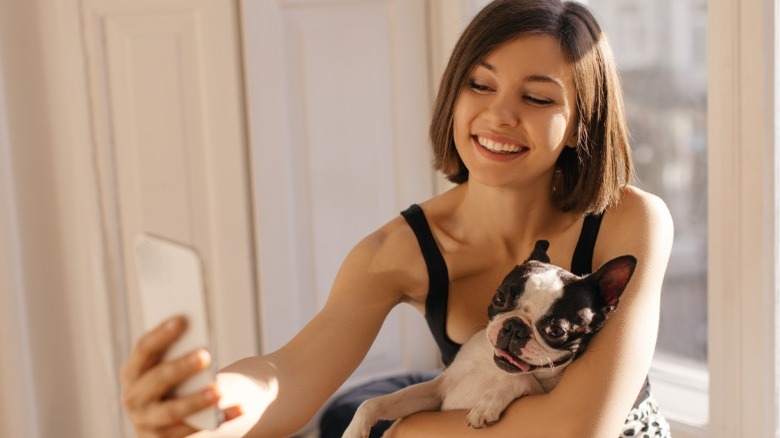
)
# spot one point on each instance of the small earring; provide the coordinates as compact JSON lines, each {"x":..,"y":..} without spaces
{"x":556,"y":178}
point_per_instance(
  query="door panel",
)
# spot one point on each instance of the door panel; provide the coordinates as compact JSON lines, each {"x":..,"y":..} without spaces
{"x":339,"y":98}
{"x":172,"y":152}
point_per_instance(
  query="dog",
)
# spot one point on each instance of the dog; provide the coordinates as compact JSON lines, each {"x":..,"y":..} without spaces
{"x":540,"y":320}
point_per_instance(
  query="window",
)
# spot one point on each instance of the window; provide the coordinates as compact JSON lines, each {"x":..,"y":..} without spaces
{"x":663,"y":66}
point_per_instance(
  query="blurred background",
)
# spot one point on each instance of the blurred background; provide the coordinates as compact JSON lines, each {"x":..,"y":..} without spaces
{"x":270,"y":135}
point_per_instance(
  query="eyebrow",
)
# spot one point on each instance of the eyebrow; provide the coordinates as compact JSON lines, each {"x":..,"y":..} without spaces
{"x":531,"y":78}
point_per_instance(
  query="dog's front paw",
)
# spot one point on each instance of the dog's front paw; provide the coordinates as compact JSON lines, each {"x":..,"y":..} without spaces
{"x":482,"y":416}
{"x":357,"y":429}
{"x":361,"y":423}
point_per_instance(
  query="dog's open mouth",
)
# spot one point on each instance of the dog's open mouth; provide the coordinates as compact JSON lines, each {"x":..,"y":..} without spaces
{"x":513,"y":364}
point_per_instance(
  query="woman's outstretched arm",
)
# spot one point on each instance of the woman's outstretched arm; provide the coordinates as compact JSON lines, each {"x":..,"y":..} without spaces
{"x":297,"y":379}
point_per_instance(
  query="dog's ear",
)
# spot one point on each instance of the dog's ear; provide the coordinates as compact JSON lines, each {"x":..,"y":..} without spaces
{"x":540,"y":252}
{"x":611,"y":279}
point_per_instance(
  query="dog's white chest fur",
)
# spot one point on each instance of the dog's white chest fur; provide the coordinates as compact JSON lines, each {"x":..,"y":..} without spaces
{"x":474,"y":375}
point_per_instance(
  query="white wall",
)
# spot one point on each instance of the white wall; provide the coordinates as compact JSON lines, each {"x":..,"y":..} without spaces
{"x":54,"y":352}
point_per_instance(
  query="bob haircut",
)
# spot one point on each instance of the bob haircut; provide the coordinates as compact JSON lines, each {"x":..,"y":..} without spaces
{"x":589,"y":175}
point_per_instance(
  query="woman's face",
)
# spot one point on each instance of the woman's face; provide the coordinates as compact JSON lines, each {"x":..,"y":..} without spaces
{"x":516,"y":113}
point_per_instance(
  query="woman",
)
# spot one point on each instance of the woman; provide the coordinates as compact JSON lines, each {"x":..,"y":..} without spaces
{"x":529,"y":123}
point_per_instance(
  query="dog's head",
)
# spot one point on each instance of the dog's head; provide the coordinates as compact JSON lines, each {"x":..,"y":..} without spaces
{"x":542,"y":316}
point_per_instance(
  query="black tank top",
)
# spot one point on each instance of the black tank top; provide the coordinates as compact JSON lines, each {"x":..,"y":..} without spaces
{"x":439,"y":283}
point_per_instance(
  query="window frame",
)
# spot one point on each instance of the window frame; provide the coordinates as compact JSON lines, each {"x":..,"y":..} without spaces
{"x":743,"y":234}
{"x":742,"y":216}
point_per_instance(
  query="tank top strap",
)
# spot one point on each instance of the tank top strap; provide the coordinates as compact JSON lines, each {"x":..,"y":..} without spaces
{"x":582,"y":260}
{"x":438,"y":282}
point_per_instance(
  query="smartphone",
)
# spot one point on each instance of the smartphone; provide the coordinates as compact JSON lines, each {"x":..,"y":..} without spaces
{"x":171,"y":283}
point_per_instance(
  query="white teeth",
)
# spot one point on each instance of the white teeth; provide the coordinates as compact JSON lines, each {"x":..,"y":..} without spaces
{"x":498,"y":147}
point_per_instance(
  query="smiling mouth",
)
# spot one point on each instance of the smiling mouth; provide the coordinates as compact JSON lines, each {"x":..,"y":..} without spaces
{"x":497,"y":147}
{"x":513,"y":364}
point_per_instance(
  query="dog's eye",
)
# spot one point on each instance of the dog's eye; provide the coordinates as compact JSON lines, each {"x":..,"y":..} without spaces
{"x":499,"y":300}
{"x":554,"y":331}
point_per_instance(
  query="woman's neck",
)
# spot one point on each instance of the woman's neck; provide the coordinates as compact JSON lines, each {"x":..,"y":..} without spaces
{"x":514,"y":217}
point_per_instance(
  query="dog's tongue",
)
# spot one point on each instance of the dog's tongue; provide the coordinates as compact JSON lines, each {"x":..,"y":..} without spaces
{"x":524,"y":366}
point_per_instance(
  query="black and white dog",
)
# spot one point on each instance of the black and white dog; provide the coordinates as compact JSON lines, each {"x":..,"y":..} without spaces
{"x":540,"y":320}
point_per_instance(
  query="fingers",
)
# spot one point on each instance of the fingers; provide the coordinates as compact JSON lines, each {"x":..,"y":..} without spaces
{"x":177,"y":431}
{"x":183,"y":430}
{"x":150,"y":347}
{"x":232,"y":412}
{"x":147,"y":380}
{"x":174,"y":411}
{"x":159,"y":381}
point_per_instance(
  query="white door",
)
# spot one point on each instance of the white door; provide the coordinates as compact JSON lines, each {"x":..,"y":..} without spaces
{"x":339,"y":104}
{"x":166,"y":88}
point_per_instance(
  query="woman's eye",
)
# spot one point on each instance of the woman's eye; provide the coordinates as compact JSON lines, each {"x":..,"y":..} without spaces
{"x":476,"y":86}
{"x":538,"y":100}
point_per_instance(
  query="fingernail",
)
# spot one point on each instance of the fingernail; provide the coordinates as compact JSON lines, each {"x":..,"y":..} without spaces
{"x":201,"y":358}
{"x":210,"y":395}
{"x":172,"y":324}
{"x":232,"y":412}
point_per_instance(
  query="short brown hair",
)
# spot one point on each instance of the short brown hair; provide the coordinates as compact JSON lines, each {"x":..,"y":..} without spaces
{"x":593,"y":173}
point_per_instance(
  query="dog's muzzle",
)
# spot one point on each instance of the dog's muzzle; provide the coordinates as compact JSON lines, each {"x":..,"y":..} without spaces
{"x":513,"y":336}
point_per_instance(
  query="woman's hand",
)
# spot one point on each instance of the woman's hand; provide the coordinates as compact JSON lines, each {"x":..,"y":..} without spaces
{"x":146,"y":380}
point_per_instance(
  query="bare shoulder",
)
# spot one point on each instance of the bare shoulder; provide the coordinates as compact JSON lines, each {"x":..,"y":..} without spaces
{"x":640,"y":222}
{"x":638,"y":208}
{"x":390,"y":256}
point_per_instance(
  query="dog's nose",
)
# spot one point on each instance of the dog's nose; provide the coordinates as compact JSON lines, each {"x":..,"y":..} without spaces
{"x":514,"y":334}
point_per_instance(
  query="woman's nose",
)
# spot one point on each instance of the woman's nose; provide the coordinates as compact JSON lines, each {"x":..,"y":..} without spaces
{"x":503,"y":110}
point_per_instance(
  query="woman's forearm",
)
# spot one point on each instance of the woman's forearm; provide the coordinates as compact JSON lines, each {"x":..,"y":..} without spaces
{"x":528,"y":418}
{"x":538,"y":416}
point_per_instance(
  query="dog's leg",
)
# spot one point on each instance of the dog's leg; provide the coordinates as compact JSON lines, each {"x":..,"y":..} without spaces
{"x":494,"y":401}
{"x":424,"y":396}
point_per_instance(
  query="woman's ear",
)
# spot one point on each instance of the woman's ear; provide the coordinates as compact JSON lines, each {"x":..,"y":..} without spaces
{"x":574,"y":140}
